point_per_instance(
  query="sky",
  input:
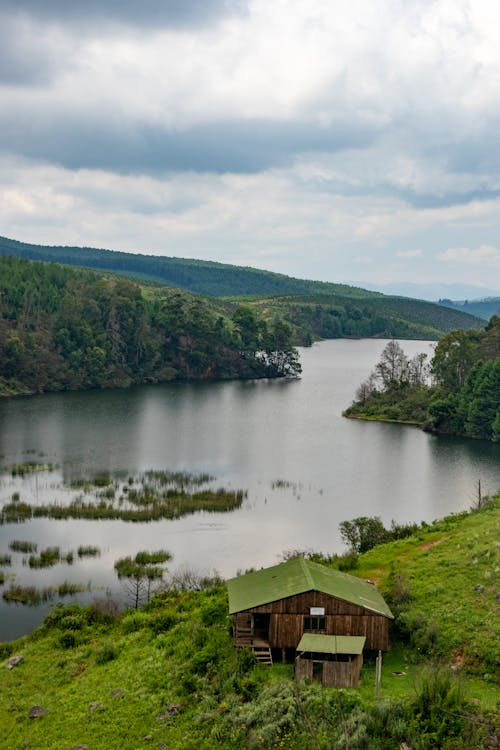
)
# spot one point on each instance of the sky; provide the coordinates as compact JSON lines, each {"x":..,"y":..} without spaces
{"x":354,"y":142}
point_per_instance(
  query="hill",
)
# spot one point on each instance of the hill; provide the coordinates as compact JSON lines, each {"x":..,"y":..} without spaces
{"x":204,"y":277}
{"x":316,"y":309}
{"x":65,"y":328}
{"x":168,"y":675}
{"x":481,"y":308}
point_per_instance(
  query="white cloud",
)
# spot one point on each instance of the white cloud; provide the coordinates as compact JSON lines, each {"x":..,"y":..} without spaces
{"x":485,"y":254}
{"x":409,"y":253}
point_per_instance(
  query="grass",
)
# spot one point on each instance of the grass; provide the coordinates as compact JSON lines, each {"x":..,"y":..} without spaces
{"x":168,"y":675}
{"x":450,"y":575}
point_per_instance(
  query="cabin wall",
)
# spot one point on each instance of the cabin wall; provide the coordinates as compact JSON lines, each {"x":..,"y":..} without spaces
{"x":286,"y":625}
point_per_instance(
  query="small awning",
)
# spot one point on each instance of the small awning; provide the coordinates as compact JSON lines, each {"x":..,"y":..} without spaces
{"x":332,"y":644}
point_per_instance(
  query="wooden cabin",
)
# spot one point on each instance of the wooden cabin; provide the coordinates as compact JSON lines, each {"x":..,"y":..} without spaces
{"x":273,"y":608}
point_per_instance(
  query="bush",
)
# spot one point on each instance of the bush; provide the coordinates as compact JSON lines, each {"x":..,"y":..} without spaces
{"x":438,"y":710}
{"x":213,"y":611}
{"x":105,"y":653}
{"x":68,"y":640}
{"x":134,"y":621}
{"x":6,"y":650}
{"x":162,"y":621}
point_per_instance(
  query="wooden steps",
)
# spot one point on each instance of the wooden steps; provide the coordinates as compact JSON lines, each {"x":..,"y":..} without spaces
{"x":263,"y":654}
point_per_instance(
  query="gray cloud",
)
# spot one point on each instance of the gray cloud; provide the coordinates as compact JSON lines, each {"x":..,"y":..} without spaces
{"x":227,"y":146}
{"x":176,"y":13}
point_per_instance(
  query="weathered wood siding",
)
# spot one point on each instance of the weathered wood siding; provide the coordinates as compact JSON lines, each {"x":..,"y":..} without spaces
{"x":338,"y":674}
{"x":303,"y":669}
{"x":341,"y":618}
{"x":342,"y":673}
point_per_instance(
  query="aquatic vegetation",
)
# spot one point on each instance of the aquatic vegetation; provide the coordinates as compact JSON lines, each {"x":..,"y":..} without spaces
{"x":47,"y":558}
{"x":26,"y":468}
{"x":18,"y":545}
{"x":5,"y":559}
{"x":152,"y":508}
{"x":29,"y":595}
{"x":70,"y":589}
{"x":88,"y":551}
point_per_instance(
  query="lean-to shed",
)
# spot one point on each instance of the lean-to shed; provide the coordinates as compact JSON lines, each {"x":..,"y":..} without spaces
{"x":273,"y":608}
{"x":334,"y":660}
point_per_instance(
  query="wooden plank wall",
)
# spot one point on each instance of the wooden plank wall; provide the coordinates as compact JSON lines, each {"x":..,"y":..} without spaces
{"x":342,"y":618}
{"x":303,"y":669}
{"x":340,"y":674}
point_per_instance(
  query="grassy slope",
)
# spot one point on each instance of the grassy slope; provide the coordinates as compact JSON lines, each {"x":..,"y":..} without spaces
{"x":179,"y":653}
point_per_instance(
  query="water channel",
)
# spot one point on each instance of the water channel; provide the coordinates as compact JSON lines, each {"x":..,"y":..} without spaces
{"x":305,"y":469}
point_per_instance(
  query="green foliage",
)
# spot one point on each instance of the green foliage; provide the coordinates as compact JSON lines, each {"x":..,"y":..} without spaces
{"x":438,"y":711}
{"x":105,"y":653}
{"x":363,"y":533}
{"x":464,"y":399}
{"x":69,"y":329}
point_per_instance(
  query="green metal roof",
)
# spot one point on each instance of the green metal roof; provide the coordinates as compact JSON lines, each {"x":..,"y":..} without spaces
{"x":332,"y":644}
{"x":297,"y":576}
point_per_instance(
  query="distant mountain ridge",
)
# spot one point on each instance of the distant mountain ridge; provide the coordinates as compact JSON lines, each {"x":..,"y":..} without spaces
{"x":481,"y":308}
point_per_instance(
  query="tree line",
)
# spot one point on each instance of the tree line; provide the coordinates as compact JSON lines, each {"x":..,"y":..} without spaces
{"x":457,"y":392}
{"x":67,"y":329}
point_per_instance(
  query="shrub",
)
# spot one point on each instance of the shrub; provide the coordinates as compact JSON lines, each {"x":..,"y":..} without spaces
{"x":134,"y":621}
{"x":68,"y":640}
{"x":6,"y":650}
{"x":162,"y":621}
{"x":107,"y":652}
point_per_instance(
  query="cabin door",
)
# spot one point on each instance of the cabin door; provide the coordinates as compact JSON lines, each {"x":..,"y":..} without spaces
{"x":261,"y":626}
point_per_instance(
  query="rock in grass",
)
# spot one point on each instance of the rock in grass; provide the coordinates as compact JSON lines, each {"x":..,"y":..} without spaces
{"x":36,"y":712}
{"x":78,"y":747}
{"x":14,"y":661}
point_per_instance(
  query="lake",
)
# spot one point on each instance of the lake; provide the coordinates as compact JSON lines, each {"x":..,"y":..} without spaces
{"x":305,"y":469}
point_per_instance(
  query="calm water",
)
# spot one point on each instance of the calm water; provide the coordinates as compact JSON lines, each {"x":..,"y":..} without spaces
{"x":248,"y":435}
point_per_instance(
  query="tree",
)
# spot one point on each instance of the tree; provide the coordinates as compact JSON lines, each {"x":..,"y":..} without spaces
{"x":363,"y":533}
{"x":453,"y":358}
{"x":392,"y":367}
{"x":139,"y":573}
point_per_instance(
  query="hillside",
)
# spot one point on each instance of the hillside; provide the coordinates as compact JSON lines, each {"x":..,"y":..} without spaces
{"x":481,"y":308}
{"x":315,"y":309}
{"x":65,"y":328}
{"x":168,"y":676}
{"x":204,"y":277}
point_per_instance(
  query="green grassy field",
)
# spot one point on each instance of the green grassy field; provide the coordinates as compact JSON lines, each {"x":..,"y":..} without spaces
{"x":168,"y":676}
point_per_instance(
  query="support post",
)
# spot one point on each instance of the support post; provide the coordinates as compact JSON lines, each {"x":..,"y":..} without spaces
{"x":378,"y":673}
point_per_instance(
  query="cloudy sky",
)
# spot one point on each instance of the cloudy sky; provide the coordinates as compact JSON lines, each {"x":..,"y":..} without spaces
{"x":345,"y":141}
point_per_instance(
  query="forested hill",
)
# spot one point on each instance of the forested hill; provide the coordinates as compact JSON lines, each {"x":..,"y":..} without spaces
{"x":315,"y":309}
{"x":64,"y":328}
{"x":205,"y":277}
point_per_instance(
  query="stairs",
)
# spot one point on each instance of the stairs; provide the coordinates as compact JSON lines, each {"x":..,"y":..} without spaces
{"x":244,"y":637}
{"x":263,"y":654}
